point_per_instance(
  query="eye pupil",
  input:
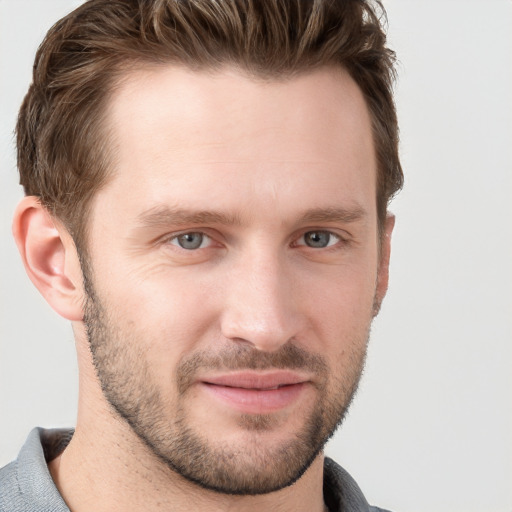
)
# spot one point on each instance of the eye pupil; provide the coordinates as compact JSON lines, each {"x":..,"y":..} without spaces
{"x":190,"y":240}
{"x":317,"y":239}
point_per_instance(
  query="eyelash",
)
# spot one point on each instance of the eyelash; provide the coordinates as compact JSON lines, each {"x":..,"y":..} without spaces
{"x":337,"y":239}
{"x":329,"y":247}
{"x":175,"y":238}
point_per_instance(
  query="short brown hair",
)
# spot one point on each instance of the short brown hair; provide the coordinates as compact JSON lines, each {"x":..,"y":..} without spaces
{"x":63,"y":156}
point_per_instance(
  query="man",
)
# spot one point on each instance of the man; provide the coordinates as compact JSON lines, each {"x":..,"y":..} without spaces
{"x":206,"y":201}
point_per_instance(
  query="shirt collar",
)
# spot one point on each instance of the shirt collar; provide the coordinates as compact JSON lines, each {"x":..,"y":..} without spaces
{"x":341,"y":492}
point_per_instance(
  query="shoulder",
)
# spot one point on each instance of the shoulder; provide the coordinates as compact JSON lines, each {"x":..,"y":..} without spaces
{"x":341,"y":491}
{"x":11,"y":498}
{"x":26,"y":484}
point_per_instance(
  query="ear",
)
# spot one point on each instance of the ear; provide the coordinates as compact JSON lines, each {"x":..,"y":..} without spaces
{"x":383,"y":270}
{"x":50,"y":258}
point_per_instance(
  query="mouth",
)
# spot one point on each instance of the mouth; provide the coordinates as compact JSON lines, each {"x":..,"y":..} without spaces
{"x":255,"y":392}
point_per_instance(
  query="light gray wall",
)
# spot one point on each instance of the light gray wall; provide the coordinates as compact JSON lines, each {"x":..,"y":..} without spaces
{"x":431,"y":429}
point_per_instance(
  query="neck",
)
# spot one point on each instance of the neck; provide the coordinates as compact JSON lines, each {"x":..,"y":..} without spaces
{"x":106,"y":467}
{"x":105,"y":473}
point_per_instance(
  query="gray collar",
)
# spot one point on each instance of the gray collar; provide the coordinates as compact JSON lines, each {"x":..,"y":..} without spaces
{"x":38,"y":492}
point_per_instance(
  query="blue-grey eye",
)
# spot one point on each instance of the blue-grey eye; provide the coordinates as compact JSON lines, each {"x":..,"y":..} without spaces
{"x":190,"y":241}
{"x":319,"y":239}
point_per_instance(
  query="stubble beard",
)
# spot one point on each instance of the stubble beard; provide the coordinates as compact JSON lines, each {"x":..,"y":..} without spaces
{"x":126,"y":380}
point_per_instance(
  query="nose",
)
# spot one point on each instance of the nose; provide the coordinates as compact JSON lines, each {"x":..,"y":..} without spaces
{"x":260,"y":306}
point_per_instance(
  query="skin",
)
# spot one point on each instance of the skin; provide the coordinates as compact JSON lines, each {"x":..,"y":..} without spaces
{"x":275,"y":161}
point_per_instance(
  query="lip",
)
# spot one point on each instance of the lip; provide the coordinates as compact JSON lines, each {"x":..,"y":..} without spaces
{"x":256,"y":392}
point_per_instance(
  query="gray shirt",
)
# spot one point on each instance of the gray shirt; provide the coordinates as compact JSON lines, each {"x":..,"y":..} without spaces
{"x":27,"y":486}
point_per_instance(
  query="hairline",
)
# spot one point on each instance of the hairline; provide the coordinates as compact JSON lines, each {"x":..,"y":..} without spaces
{"x":129,"y":68}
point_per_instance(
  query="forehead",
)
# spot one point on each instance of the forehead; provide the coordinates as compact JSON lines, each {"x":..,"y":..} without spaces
{"x":175,"y":127}
{"x":212,"y":106}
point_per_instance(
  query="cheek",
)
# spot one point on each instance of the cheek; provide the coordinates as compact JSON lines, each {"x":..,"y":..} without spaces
{"x":341,"y":310}
{"x":345,"y":294}
{"x":344,"y":318}
{"x":164,"y":296}
{"x":165,"y":315}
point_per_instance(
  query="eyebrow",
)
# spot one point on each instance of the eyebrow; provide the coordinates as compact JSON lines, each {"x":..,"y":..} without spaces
{"x":161,"y":216}
{"x":164,"y":216}
{"x":334,"y":214}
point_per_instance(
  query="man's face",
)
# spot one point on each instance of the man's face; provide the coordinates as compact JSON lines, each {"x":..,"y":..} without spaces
{"x":232,"y":269}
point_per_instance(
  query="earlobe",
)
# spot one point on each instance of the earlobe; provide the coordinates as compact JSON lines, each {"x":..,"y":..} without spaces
{"x":49,"y":256}
{"x":383,"y":270}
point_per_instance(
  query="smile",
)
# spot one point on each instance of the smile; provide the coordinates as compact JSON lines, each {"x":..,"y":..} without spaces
{"x":253,"y":393}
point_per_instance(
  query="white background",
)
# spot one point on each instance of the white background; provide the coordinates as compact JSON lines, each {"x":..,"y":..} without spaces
{"x":431,"y":428}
